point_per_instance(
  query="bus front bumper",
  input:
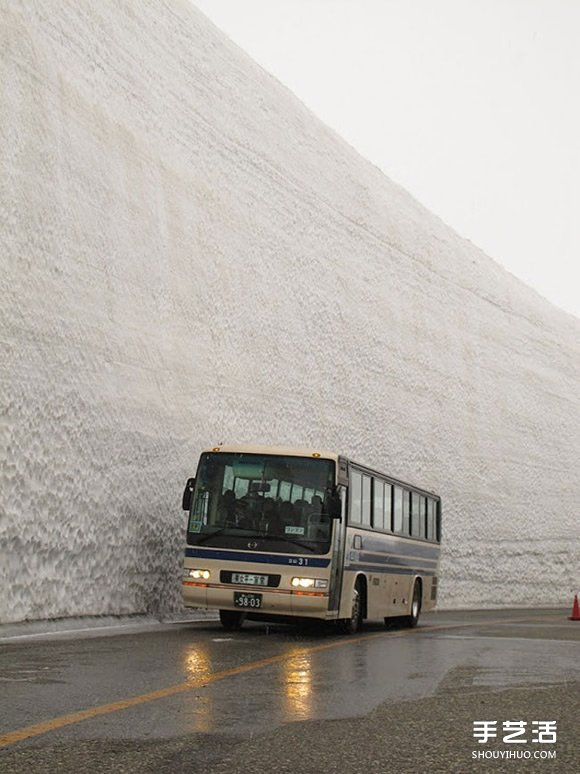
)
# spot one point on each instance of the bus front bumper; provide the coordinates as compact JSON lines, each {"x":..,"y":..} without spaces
{"x":272,"y":601}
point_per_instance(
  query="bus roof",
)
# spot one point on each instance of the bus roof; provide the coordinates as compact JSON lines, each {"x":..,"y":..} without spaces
{"x":286,"y":451}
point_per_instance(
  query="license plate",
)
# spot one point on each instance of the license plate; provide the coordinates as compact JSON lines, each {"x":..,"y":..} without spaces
{"x":251,"y":580}
{"x":247,"y":601}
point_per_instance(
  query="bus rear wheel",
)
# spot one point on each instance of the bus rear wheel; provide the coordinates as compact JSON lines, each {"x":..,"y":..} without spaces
{"x":231,"y":620}
{"x":413,"y":619}
{"x":353,"y":624}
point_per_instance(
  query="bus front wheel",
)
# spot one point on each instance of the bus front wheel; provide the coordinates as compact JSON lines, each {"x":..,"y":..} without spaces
{"x":353,"y":624}
{"x":413,"y":619}
{"x":231,"y":620}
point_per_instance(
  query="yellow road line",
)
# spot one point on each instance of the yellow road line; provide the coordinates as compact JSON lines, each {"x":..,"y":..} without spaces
{"x":105,"y":709}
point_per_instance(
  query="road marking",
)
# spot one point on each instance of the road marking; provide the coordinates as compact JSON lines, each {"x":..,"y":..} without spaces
{"x":62,"y":721}
{"x":105,"y":709}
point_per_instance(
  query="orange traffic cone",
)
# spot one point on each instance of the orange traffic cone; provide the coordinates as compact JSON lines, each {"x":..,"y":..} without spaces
{"x":575,"y":610}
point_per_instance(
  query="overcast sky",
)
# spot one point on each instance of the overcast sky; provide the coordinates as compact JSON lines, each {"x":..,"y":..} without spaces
{"x":472,"y":105}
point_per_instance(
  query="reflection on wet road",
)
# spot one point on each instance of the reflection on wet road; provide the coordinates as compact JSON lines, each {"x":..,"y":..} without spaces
{"x":198,"y":667}
{"x":192,"y":681}
{"x":297,"y":688}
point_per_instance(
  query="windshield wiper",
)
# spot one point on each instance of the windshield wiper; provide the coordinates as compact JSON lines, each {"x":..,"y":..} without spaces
{"x":208,"y":535}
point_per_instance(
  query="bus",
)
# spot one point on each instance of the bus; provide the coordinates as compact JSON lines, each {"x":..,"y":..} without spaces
{"x":282,"y":534}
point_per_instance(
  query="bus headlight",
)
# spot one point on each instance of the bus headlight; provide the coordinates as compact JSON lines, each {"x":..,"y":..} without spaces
{"x":308,"y":583}
{"x":197,"y":574}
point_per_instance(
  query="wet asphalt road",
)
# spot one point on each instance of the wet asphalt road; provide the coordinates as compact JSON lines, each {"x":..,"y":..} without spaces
{"x":193,"y":698}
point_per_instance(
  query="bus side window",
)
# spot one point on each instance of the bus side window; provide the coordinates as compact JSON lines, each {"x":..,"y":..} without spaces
{"x":423,"y":512}
{"x":416,"y":515}
{"x":406,"y":513}
{"x":354,"y":515}
{"x":366,"y":500}
{"x":397,"y":509}
{"x":388,"y":509}
{"x":431,"y":519}
{"x":378,"y":513}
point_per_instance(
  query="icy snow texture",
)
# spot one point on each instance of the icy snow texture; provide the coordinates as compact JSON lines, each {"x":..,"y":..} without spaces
{"x":189,"y":256}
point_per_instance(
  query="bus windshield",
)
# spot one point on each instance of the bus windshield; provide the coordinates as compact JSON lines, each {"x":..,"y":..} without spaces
{"x":280,"y":503}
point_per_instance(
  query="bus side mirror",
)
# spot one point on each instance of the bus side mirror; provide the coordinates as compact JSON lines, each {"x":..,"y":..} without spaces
{"x":187,"y":494}
{"x":334,"y":504}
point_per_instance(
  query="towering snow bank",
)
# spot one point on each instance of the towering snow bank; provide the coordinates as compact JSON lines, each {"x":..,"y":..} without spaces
{"x":189,"y":257}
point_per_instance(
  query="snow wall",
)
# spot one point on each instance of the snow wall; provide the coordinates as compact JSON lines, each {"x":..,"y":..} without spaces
{"x":188,"y":257}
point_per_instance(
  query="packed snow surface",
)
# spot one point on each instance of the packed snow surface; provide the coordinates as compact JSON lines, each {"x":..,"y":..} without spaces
{"x":189,"y":256}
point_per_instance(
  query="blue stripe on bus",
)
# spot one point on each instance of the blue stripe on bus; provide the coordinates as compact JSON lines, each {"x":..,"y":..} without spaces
{"x":390,"y":570}
{"x":367,"y":556}
{"x":391,"y":544}
{"x":240,"y":556}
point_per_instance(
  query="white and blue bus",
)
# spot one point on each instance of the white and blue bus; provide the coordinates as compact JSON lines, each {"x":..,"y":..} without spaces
{"x":281,"y":534}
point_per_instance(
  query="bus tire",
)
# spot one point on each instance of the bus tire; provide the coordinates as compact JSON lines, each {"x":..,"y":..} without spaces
{"x":353,"y":624}
{"x":231,"y":620}
{"x":413,"y":619}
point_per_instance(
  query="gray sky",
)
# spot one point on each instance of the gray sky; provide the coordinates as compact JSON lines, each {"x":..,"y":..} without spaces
{"x":472,"y":105}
